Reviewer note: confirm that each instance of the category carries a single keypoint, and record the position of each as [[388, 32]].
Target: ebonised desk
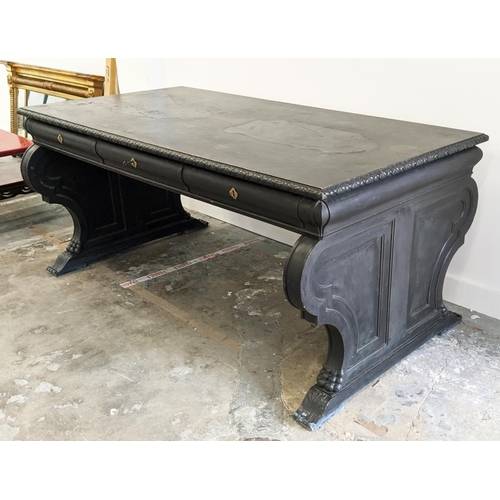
[[381, 205]]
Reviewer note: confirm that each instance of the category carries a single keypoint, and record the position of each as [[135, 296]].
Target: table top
[[12, 144], [311, 151]]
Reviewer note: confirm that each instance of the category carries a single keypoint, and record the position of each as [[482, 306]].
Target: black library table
[[381, 205]]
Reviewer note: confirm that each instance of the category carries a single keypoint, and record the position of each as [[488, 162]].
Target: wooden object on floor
[[111, 77]]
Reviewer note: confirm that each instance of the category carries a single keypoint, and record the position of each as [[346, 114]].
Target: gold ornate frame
[[48, 81]]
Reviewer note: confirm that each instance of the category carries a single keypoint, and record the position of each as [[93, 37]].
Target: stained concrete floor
[[208, 352]]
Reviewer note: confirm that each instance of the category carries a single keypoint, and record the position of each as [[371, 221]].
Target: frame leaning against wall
[[48, 82], [41, 84]]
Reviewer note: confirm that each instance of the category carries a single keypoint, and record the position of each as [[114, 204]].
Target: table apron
[[290, 211]]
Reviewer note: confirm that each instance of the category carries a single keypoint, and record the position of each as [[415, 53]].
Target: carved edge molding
[[284, 185], [403, 166]]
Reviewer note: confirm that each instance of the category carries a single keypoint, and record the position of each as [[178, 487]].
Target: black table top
[[311, 151]]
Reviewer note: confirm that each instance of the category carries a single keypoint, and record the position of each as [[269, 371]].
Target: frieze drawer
[[137, 163], [63, 140], [290, 210]]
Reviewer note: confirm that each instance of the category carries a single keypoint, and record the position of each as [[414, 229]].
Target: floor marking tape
[[192, 262], [19, 200]]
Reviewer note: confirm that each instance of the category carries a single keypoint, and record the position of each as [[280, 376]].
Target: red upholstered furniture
[[11, 181], [12, 144]]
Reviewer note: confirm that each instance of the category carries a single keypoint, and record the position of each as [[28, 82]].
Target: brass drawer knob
[[233, 193], [130, 163], [60, 138]]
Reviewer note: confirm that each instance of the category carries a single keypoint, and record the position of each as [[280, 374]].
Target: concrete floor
[[209, 352]]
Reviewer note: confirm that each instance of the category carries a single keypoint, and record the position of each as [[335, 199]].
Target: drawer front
[[63, 140], [271, 205], [137, 163], [262, 202]]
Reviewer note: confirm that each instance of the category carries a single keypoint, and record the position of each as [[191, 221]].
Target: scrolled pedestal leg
[[110, 212], [322, 400], [376, 285]]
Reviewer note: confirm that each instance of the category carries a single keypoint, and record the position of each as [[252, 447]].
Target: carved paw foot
[[74, 247], [330, 380]]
